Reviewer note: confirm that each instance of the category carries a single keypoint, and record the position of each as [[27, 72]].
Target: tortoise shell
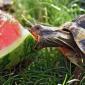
[[77, 28]]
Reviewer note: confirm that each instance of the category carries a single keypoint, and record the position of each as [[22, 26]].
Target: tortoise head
[[51, 36]]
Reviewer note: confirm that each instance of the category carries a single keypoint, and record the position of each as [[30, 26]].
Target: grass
[[49, 67]]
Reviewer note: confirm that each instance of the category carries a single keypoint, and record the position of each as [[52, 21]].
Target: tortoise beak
[[51, 36]]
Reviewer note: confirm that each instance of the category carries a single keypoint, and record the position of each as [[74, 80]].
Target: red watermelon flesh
[[9, 32]]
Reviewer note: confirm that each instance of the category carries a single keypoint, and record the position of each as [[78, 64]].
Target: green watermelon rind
[[18, 51]]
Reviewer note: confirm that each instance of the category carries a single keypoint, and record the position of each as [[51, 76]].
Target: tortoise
[[69, 38]]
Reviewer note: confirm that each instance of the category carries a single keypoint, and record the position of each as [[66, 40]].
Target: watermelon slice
[[15, 41]]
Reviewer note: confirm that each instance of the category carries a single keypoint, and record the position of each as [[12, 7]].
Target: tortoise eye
[[66, 30], [37, 27]]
